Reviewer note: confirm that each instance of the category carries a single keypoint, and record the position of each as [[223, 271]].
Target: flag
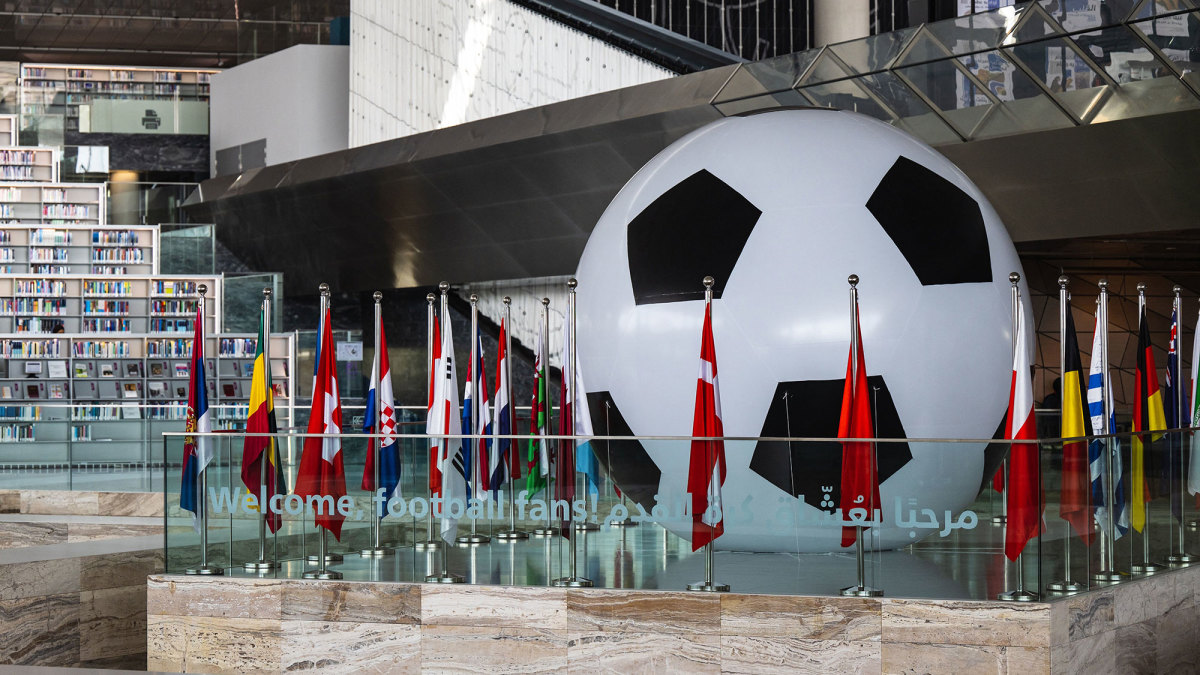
[[322, 473], [581, 418], [1147, 416], [499, 460], [1075, 466], [259, 449], [197, 450], [1024, 479], [1098, 454], [433, 418], [538, 454], [706, 468], [1194, 469], [389, 453], [1171, 407], [476, 419], [564, 465], [453, 481], [860, 471]]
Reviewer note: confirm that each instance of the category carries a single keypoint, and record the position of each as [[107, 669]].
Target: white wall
[[418, 65], [296, 99]]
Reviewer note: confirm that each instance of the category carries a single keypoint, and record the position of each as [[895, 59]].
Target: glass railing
[[938, 530], [1030, 67]]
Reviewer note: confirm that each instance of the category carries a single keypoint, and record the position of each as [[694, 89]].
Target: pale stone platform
[[270, 625], [81, 503]]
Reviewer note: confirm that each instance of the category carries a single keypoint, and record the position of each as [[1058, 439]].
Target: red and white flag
[[322, 473], [706, 470], [1024, 486], [860, 470], [433, 416]]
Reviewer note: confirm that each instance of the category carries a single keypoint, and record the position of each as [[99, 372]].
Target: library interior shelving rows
[[78, 249]]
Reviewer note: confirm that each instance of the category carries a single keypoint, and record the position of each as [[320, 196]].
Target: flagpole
[[708, 585], [1066, 584], [377, 550], [1108, 572], [513, 533], [574, 580], [580, 482], [445, 577], [1020, 594], [431, 543], [1145, 568], [475, 413], [202, 477], [1182, 558], [323, 556], [262, 564], [544, 373]]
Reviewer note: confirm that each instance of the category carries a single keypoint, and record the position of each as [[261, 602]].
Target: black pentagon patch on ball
[[811, 409], [695, 229], [632, 469], [935, 225]]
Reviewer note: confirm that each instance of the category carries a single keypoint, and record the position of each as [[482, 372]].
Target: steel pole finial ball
[[852, 279], [1014, 278], [1063, 281], [443, 286], [377, 297], [572, 283], [506, 300], [430, 297], [323, 289], [781, 206], [1103, 284], [202, 289], [266, 292], [1141, 288], [545, 302], [708, 282], [1177, 289], [474, 298]]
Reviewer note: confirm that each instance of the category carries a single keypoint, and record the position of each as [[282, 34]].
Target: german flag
[[1148, 416], [1076, 478], [258, 449]]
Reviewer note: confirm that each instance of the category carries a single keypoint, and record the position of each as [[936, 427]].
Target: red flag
[[860, 472], [564, 476], [706, 470], [1024, 479], [322, 475], [432, 426]]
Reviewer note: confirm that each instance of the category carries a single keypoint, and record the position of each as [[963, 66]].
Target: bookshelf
[[8, 130], [28, 164], [66, 204], [79, 249]]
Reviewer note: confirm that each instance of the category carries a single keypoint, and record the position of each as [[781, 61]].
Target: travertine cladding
[[256, 625], [81, 503]]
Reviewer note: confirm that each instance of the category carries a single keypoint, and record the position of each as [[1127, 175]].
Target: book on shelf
[[131, 390], [33, 391], [8, 391], [229, 389], [108, 370], [56, 390], [181, 392], [181, 370], [156, 389], [279, 389], [248, 369], [131, 411], [57, 369], [133, 369], [157, 368], [83, 369]]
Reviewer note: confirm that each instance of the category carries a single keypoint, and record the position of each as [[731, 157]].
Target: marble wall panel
[[166, 643], [226, 645], [10, 501], [489, 649], [1093, 654], [114, 570], [1177, 640], [622, 652], [180, 595], [92, 531], [146, 504], [351, 647], [25, 638], [352, 602], [60, 502], [812, 618], [966, 622], [1137, 648], [112, 622], [658, 612], [542, 608], [59, 645], [17, 535], [42, 577], [745, 654], [1094, 613]]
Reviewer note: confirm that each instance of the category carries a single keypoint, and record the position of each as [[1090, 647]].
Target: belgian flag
[[1076, 478], [1148, 416], [259, 449]]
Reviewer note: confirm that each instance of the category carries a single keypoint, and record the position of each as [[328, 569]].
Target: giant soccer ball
[[780, 207]]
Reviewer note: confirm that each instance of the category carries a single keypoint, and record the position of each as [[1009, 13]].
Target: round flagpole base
[[376, 552], [573, 582], [322, 574], [444, 579], [1065, 586], [628, 522], [1018, 596], [1109, 577], [260, 566], [1183, 559], [708, 587], [206, 570], [583, 526], [472, 539], [512, 535], [999, 520], [862, 592], [1146, 569], [545, 532], [329, 558], [430, 545]]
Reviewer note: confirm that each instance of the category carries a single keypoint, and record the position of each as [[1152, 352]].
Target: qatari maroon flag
[[706, 471]]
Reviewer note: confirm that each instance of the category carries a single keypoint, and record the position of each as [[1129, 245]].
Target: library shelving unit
[[8, 130], [77, 204], [103, 305], [57, 89], [28, 164], [79, 249]]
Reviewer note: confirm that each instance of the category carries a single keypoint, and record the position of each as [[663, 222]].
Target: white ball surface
[[943, 349]]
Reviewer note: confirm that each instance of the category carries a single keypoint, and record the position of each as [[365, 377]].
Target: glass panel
[[787, 98], [1073, 82], [1162, 8], [915, 116], [771, 75], [1035, 27], [1147, 84], [846, 95], [1176, 38], [924, 48], [974, 32], [1025, 107], [826, 69], [873, 53], [1079, 15], [951, 91]]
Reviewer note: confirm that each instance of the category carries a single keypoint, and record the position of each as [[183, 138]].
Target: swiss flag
[[321, 471], [860, 471], [1024, 484], [706, 470]]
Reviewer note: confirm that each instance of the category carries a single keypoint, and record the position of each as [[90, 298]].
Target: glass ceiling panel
[[1073, 82], [925, 47], [771, 75], [1152, 8], [846, 95], [974, 32], [874, 53], [1078, 15], [1034, 27], [1148, 85], [951, 91], [914, 116], [825, 69], [1024, 106], [1176, 38]]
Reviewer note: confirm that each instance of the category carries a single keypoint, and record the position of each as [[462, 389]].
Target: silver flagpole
[[476, 398], [445, 577], [1145, 568], [1020, 594], [431, 542], [544, 356], [1108, 573], [708, 585], [202, 477], [323, 556], [512, 534], [861, 590], [1182, 558], [262, 564], [377, 550], [574, 580], [1066, 584]]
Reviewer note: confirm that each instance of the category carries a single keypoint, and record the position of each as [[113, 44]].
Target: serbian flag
[[860, 471], [322, 473], [1148, 416], [538, 454], [500, 460], [197, 450], [1024, 479], [1075, 465], [389, 452], [259, 449], [450, 464], [433, 423], [706, 470]]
